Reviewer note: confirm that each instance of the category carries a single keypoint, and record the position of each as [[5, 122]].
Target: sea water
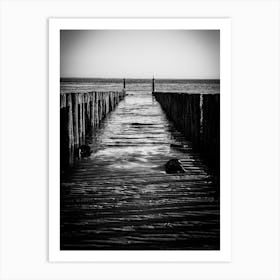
[[173, 85]]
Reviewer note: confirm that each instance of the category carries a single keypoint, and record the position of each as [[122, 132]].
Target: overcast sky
[[182, 54]]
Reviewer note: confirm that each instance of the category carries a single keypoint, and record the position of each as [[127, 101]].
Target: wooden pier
[[121, 197]]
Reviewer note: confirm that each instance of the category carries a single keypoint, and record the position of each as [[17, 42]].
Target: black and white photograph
[[139, 139]]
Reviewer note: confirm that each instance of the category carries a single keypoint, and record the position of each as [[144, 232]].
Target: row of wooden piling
[[79, 114], [197, 116]]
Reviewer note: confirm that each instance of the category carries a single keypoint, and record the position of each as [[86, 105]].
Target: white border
[[55, 255]]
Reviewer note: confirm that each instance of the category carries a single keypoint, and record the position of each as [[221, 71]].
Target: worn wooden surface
[[121, 198]]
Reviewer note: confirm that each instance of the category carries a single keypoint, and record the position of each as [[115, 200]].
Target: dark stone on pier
[[174, 166], [84, 151]]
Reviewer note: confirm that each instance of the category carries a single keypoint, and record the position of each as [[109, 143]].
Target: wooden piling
[[198, 118], [210, 132], [80, 113]]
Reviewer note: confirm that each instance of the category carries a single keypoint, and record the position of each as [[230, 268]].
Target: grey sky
[[182, 54]]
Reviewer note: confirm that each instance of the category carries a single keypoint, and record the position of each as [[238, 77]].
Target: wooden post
[[79, 113], [70, 136], [124, 84], [75, 102], [198, 118], [153, 85]]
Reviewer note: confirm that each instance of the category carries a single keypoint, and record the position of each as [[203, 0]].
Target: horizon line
[[129, 78]]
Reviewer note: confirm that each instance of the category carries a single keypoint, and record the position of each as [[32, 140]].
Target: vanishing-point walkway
[[121, 197]]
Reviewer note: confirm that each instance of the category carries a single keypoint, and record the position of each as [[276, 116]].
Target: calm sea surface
[[191, 86]]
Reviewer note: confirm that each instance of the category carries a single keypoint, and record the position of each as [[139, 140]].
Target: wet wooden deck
[[121, 198]]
